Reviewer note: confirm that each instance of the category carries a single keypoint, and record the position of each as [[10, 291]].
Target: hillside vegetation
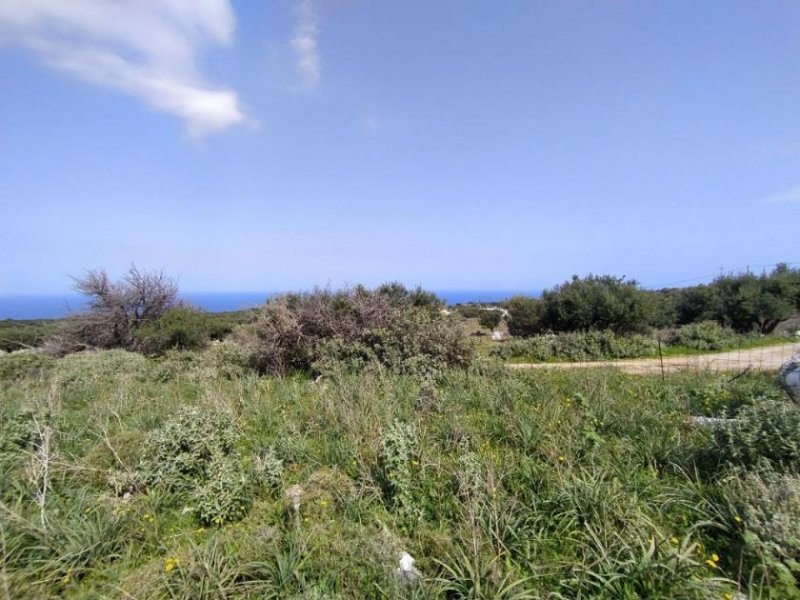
[[317, 447], [191, 476]]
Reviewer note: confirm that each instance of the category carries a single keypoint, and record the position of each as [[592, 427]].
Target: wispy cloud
[[304, 44], [144, 48], [791, 196]]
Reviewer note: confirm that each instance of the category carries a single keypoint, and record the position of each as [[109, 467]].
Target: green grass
[[587, 484]]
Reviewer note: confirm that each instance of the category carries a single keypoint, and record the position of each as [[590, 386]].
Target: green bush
[[760, 302], [181, 328], [583, 346], [399, 448], [17, 431], [525, 316], [226, 493], [764, 431], [194, 453], [597, 302], [490, 318], [725, 398], [704, 336]]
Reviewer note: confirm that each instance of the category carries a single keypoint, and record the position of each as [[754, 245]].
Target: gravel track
[[766, 359]]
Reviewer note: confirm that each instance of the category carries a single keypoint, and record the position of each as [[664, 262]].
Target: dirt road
[[768, 358]]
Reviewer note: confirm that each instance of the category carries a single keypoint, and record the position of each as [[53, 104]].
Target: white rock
[[709, 421], [407, 572]]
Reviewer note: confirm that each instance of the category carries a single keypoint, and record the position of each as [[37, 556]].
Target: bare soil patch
[[765, 359]]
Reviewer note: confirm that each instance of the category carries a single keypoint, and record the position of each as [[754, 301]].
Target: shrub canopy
[[592, 303], [314, 331]]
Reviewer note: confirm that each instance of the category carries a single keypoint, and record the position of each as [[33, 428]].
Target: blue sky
[[453, 144]]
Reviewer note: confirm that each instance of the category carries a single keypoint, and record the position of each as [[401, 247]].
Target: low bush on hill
[[180, 327], [704, 336], [17, 335], [586, 346], [322, 330]]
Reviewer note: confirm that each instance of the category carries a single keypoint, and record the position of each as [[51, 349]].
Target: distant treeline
[[142, 313], [744, 302]]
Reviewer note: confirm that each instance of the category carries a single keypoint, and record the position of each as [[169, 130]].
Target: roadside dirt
[[769, 358]]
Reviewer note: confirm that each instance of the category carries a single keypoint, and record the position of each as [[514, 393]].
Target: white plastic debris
[[789, 377], [709, 421], [407, 572]]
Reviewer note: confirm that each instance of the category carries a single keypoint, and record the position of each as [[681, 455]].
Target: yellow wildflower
[[674, 540], [561, 459], [170, 564], [737, 518]]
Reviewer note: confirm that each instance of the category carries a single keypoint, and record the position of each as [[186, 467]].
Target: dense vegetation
[[593, 345], [19, 334], [744, 302], [404, 331], [299, 450], [190, 476]]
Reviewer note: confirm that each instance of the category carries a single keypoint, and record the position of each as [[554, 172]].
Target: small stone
[[407, 572]]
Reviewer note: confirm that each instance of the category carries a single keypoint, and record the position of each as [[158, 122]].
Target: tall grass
[[517, 485]]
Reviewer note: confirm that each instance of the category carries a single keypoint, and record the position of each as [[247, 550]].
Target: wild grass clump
[[324, 331], [704, 336]]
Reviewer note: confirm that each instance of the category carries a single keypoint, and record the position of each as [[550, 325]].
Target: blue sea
[[54, 306]]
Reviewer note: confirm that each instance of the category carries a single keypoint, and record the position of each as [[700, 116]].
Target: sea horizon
[[56, 306]]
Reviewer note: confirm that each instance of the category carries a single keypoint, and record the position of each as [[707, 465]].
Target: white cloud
[[145, 48], [791, 196], [304, 44]]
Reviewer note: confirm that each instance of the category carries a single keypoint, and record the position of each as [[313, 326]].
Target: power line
[[722, 271]]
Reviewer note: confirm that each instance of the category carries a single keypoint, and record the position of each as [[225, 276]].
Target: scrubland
[[194, 476]]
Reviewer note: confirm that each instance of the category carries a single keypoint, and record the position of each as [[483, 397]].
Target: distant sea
[[54, 306]]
